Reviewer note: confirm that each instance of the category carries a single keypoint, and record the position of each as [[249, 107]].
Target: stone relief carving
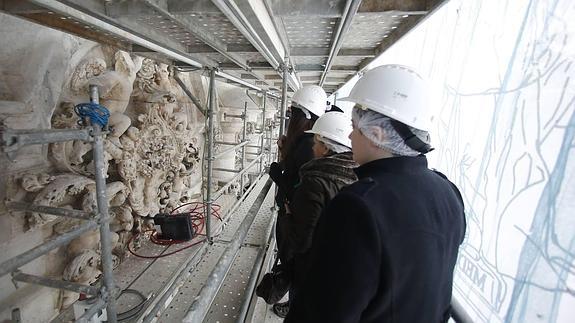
[[162, 157], [35, 182], [85, 71], [62, 191], [152, 152], [84, 269], [152, 83], [115, 89]]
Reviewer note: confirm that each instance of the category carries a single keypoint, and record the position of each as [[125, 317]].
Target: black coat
[[320, 180], [386, 248], [286, 177], [286, 174]]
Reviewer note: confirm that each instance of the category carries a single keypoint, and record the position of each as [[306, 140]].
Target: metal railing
[[199, 307], [458, 313]]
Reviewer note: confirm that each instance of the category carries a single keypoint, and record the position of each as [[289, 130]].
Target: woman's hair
[[297, 125]]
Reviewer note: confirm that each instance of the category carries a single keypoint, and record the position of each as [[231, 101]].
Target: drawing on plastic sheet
[[517, 263]]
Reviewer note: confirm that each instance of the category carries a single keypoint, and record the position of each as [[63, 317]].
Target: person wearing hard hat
[[320, 180], [386, 248], [308, 104]]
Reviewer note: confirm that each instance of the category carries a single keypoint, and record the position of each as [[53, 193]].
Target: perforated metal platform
[[234, 290], [152, 277], [176, 309]]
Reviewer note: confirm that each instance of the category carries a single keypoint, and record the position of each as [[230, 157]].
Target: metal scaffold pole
[[270, 141], [108, 288], [274, 137], [263, 136], [210, 158], [285, 71], [10, 142], [244, 134]]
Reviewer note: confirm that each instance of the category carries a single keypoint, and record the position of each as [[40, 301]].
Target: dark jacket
[[286, 173], [386, 248], [286, 177], [320, 180]]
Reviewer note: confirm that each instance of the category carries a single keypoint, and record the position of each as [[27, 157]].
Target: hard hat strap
[[410, 139]]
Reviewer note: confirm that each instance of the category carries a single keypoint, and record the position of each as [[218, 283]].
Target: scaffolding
[[105, 294], [113, 23]]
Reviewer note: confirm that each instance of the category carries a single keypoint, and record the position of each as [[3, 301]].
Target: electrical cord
[[197, 216], [98, 114], [134, 310]]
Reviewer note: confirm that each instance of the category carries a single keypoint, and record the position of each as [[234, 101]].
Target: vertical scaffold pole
[[285, 71], [102, 201], [263, 134], [209, 159], [244, 134]]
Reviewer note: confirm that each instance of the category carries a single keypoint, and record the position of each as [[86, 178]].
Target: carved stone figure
[[83, 269], [153, 84], [69, 156], [63, 190], [116, 193], [35, 182], [160, 150], [122, 219], [85, 71], [115, 88]]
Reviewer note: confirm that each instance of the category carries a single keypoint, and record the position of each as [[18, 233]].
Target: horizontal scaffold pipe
[[70, 213], [53, 283], [113, 28], [227, 170], [225, 187], [14, 263], [199, 307], [13, 139], [227, 150]]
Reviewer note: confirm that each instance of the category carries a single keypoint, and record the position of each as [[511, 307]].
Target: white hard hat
[[395, 91], [335, 126], [312, 98]]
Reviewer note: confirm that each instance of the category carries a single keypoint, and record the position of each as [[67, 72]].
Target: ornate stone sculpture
[[85, 71], [115, 88], [64, 190], [151, 159], [163, 153], [83, 269]]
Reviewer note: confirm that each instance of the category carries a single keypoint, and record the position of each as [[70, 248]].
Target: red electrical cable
[[161, 255], [198, 223]]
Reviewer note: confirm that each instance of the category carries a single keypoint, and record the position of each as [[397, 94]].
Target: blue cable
[[98, 114]]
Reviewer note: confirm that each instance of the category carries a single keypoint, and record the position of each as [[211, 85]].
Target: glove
[[275, 172]]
